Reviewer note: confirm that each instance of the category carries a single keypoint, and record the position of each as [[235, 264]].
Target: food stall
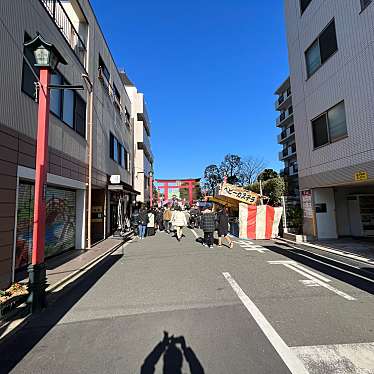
[[249, 218]]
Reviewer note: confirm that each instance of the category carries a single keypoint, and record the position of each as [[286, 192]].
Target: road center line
[[286, 354]]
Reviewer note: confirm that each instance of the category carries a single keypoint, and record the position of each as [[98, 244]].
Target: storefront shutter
[[60, 222]]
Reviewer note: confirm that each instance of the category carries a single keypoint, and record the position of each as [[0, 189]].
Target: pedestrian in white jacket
[[178, 219]]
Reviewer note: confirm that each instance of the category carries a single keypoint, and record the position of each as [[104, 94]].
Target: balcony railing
[[283, 98], [287, 152], [58, 13], [283, 118]]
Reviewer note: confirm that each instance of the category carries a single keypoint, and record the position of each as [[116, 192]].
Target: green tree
[[267, 174], [231, 168], [212, 177], [272, 188]]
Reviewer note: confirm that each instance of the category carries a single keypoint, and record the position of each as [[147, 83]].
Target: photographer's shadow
[[173, 357]]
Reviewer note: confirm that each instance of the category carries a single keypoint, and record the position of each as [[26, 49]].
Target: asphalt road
[[253, 309]]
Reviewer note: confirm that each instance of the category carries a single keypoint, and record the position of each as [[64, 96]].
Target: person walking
[[143, 222], [178, 220], [167, 217], [208, 225], [223, 227], [151, 223], [160, 219]]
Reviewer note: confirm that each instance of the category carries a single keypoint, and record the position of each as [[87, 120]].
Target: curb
[[17, 324], [331, 250], [334, 263]]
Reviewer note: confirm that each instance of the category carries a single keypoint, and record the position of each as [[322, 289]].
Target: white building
[[143, 157], [331, 54]]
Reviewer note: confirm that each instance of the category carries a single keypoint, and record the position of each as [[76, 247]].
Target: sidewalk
[[358, 249], [61, 270], [67, 264]]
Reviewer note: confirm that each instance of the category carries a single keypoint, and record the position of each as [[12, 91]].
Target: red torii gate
[[185, 183]]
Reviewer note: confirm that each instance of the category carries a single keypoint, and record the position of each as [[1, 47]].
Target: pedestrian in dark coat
[[223, 227], [143, 222], [208, 225]]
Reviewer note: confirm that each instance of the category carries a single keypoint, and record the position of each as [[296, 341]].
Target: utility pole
[[89, 86]]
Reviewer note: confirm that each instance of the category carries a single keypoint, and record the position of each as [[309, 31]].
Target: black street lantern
[[46, 54]]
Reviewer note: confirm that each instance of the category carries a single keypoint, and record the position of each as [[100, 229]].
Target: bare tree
[[250, 169]]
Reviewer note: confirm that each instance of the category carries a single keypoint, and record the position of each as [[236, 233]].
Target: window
[[320, 134], [337, 122], [115, 148], [118, 152], [56, 95], [125, 163], [304, 4], [80, 115], [68, 107], [364, 4], [104, 72], [116, 93], [28, 78], [330, 126], [321, 49], [111, 146]]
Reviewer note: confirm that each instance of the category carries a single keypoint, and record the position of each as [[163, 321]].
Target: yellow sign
[[361, 176], [238, 194]]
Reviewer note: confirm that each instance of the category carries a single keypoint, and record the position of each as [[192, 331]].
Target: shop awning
[[123, 187]]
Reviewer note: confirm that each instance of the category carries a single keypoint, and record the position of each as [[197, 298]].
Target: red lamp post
[[47, 58], [151, 189]]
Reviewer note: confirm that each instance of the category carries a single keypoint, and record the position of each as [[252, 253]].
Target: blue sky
[[208, 69]]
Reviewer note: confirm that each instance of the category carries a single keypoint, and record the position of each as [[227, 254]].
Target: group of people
[[169, 218]]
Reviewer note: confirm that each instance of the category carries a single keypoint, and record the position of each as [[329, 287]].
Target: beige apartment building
[[331, 54], [286, 138], [72, 27], [143, 156]]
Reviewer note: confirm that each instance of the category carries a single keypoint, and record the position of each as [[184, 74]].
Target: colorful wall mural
[[60, 222]]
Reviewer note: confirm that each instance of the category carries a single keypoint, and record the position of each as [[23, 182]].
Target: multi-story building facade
[[72, 27], [286, 138], [331, 48], [143, 156]]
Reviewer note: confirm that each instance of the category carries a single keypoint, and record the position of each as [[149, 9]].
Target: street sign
[[115, 179], [361, 176]]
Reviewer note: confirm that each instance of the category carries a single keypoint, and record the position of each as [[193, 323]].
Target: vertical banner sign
[[306, 201]]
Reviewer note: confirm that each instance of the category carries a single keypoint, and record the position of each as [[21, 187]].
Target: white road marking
[[314, 274], [195, 234], [256, 249], [250, 246], [339, 358], [286, 354], [316, 278]]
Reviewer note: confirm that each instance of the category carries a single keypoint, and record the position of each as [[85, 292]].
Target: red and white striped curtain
[[259, 222]]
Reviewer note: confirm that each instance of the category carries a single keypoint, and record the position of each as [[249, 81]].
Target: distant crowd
[[173, 218]]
